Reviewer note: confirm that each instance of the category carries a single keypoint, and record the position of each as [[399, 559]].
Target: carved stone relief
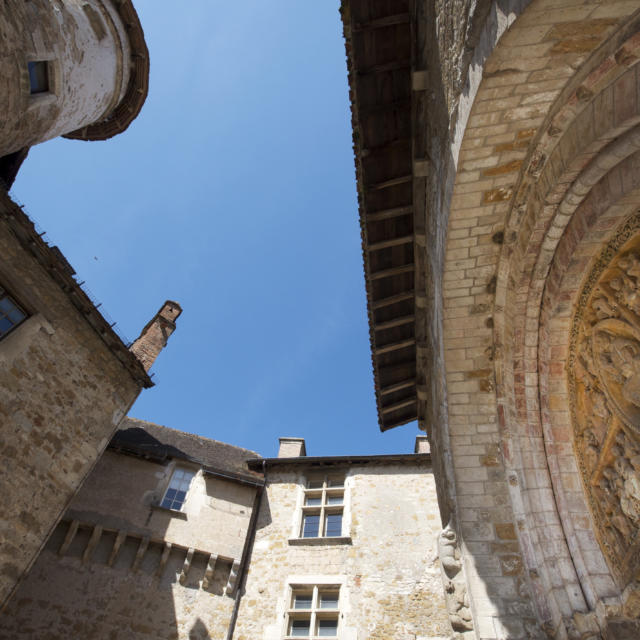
[[455, 586], [604, 377]]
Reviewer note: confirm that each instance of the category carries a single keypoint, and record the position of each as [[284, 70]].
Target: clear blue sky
[[233, 193]]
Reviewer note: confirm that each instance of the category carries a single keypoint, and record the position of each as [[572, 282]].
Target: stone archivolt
[[604, 376]]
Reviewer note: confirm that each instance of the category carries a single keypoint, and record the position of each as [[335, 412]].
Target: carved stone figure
[[605, 383], [454, 583]]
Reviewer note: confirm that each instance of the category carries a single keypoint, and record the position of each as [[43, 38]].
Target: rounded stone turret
[[78, 68]]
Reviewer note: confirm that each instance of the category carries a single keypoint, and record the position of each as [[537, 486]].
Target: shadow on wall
[[199, 631]]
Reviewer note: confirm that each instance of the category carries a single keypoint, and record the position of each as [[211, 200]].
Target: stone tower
[[78, 69]]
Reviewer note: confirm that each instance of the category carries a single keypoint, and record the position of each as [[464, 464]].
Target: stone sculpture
[[454, 583]]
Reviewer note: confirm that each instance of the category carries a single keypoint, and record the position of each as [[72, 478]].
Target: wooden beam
[[394, 346], [399, 405], [398, 386], [393, 242], [387, 21], [385, 214], [392, 271], [398, 297], [396, 322], [387, 66], [390, 183], [385, 424]]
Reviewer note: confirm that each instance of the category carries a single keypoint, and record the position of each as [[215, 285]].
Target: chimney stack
[[292, 448], [422, 445], [153, 338]]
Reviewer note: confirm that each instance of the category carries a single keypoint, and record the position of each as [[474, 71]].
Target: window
[[177, 490], [38, 77], [323, 507], [313, 611], [11, 314]]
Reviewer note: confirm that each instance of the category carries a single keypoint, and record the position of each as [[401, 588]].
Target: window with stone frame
[[314, 611], [323, 507], [38, 76], [176, 493], [11, 314]]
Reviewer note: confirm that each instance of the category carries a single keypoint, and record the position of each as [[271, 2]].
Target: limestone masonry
[[497, 156]]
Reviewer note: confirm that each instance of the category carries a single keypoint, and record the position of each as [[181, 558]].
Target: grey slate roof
[[160, 443]]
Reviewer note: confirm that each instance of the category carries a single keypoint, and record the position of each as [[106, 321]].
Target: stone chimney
[[422, 445], [153, 338], [292, 448]]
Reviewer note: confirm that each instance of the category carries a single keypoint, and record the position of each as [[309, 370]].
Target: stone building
[[150, 547], [66, 381], [66, 377], [498, 166], [344, 547], [497, 159], [177, 536], [79, 69]]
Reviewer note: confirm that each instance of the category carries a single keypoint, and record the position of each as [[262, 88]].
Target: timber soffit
[[378, 41]]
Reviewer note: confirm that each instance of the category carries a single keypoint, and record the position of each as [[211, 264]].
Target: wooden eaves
[[378, 39]]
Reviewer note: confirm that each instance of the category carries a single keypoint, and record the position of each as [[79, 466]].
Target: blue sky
[[233, 193]]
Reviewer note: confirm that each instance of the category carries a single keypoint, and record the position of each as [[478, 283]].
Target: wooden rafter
[[398, 297], [386, 21], [392, 242], [394, 346]]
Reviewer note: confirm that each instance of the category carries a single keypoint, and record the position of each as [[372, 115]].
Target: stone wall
[[544, 149], [63, 392], [391, 588], [86, 47], [120, 566]]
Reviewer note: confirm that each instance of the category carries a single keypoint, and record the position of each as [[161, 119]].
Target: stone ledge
[[172, 512], [321, 541]]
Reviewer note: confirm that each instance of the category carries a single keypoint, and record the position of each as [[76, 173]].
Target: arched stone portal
[[541, 435]]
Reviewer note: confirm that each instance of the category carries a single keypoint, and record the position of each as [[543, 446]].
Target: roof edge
[[57, 268], [422, 458]]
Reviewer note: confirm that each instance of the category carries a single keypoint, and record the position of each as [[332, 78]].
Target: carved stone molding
[[604, 382]]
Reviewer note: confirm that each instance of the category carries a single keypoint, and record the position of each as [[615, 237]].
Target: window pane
[[328, 627], [313, 501], [310, 526], [299, 628], [38, 77], [314, 484], [166, 503], [329, 600], [336, 481], [334, 499], [302, 601], [333, 525], [10, 314], [16, 316]]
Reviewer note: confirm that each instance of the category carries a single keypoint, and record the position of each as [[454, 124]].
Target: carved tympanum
[[605, 380]]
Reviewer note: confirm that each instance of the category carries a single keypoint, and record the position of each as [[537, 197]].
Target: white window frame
[[323, 508], [178, 469], [315, 613]]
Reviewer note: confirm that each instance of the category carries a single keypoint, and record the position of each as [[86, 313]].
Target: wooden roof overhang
[[378, 39]]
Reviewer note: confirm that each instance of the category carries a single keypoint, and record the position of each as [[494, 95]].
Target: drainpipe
[[246, 552]]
